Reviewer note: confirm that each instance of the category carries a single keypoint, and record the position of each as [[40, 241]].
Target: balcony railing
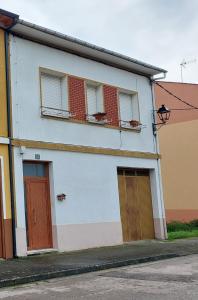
[[54, 112]]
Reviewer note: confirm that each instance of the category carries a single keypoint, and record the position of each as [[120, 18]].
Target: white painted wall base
[[21, 242], [160, 228], [84, 236]]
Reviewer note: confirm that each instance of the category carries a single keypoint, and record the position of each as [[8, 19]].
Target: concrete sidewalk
[[40, 267]]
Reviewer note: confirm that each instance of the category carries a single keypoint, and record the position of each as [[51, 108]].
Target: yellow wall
[[3, 105], [4, 154], [3, 124], [179, 149]]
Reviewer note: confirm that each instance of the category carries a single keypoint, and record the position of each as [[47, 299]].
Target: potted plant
[[99, 116], [134, 123]]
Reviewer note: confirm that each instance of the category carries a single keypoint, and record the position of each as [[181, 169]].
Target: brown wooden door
[[1, 215], [38, 212], [145, 207], [135, 206]]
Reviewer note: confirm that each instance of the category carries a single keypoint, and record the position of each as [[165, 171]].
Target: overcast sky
[[160, 32]]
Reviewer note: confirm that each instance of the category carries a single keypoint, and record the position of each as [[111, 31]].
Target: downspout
[[156, 143], [10, 150]]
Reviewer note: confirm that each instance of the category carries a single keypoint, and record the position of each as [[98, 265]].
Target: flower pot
[[99, 116], [134, 123]]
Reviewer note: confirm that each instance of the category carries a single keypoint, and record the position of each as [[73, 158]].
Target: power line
[[182, 108], [183, 101]]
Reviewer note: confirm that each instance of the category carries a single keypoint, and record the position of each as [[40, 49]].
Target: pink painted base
[[183, 215]]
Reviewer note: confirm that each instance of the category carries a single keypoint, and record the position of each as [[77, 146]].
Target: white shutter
[[91, 99], [99, 104], [51, 91], [126, 112], [94, 99]]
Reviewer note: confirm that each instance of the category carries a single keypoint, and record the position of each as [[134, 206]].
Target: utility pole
[[183, 65]]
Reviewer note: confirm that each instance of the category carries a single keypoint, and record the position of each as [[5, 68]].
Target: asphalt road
[[176, 278]]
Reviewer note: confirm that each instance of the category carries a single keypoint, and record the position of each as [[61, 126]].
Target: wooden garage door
[[135, 204], [1, 215], [38, 208]]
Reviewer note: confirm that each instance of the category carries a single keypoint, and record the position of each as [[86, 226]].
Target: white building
[[81, 179]]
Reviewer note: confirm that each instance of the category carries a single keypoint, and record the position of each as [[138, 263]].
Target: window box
[[100, 116], [134, 123]]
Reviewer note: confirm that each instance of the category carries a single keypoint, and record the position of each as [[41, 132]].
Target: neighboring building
[[85, 176], [5, 205], [179, 148]]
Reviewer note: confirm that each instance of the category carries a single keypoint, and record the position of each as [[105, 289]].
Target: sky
[[160, 32]]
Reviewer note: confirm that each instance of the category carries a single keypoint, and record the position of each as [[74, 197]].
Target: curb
[[81, 270]]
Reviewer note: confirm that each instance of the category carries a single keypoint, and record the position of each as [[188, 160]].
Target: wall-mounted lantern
[[164, 114], [61, 197]]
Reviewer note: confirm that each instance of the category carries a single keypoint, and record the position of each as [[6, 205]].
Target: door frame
[[1, 208], [47, 177]]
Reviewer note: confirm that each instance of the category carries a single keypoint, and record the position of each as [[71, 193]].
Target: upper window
[[54, 95], [95, 103], [129, 109]]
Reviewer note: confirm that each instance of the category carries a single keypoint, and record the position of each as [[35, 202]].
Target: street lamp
[[164, 114]]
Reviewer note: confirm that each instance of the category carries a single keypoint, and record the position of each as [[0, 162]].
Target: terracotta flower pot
[[99, 116], [134, 123]]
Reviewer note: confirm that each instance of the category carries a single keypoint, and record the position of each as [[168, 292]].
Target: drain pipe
[[10, 145], [156, 143]]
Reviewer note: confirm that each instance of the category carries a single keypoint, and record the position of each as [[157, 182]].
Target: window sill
[[131, 128], [90, 123], [94, 121], [55, 113], [55, 117]]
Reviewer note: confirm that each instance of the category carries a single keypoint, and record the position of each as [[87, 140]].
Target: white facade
[[90, 215], [26, 59]]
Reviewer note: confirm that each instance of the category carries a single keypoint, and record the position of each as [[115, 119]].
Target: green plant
[[178, 226], [194, 223], [175, 226], [182, 234]]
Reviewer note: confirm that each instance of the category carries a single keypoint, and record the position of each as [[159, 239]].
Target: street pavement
[[54, 265], [175, 278]]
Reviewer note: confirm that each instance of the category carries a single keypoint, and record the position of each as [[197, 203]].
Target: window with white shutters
[[126, 109], [94, 99], [95, 103], [129, 108], [54, 95]]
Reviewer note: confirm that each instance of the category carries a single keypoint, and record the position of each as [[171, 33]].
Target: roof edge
[[176, 82], [89, 45]]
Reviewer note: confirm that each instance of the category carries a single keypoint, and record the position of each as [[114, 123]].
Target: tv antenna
[[183, 65]]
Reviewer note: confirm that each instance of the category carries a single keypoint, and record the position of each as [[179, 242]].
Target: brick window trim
[[77, 98], [111, 107], [77, 103]]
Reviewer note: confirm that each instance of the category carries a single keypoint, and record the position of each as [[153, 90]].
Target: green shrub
[[182, 226], [182, 234], [194, 223], [178, 226]]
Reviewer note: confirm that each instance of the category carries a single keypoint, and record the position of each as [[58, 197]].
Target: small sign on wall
[[37, 156], [61, 197]]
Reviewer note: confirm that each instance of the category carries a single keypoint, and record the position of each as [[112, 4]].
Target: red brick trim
[[77, 106], [111, 104]]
